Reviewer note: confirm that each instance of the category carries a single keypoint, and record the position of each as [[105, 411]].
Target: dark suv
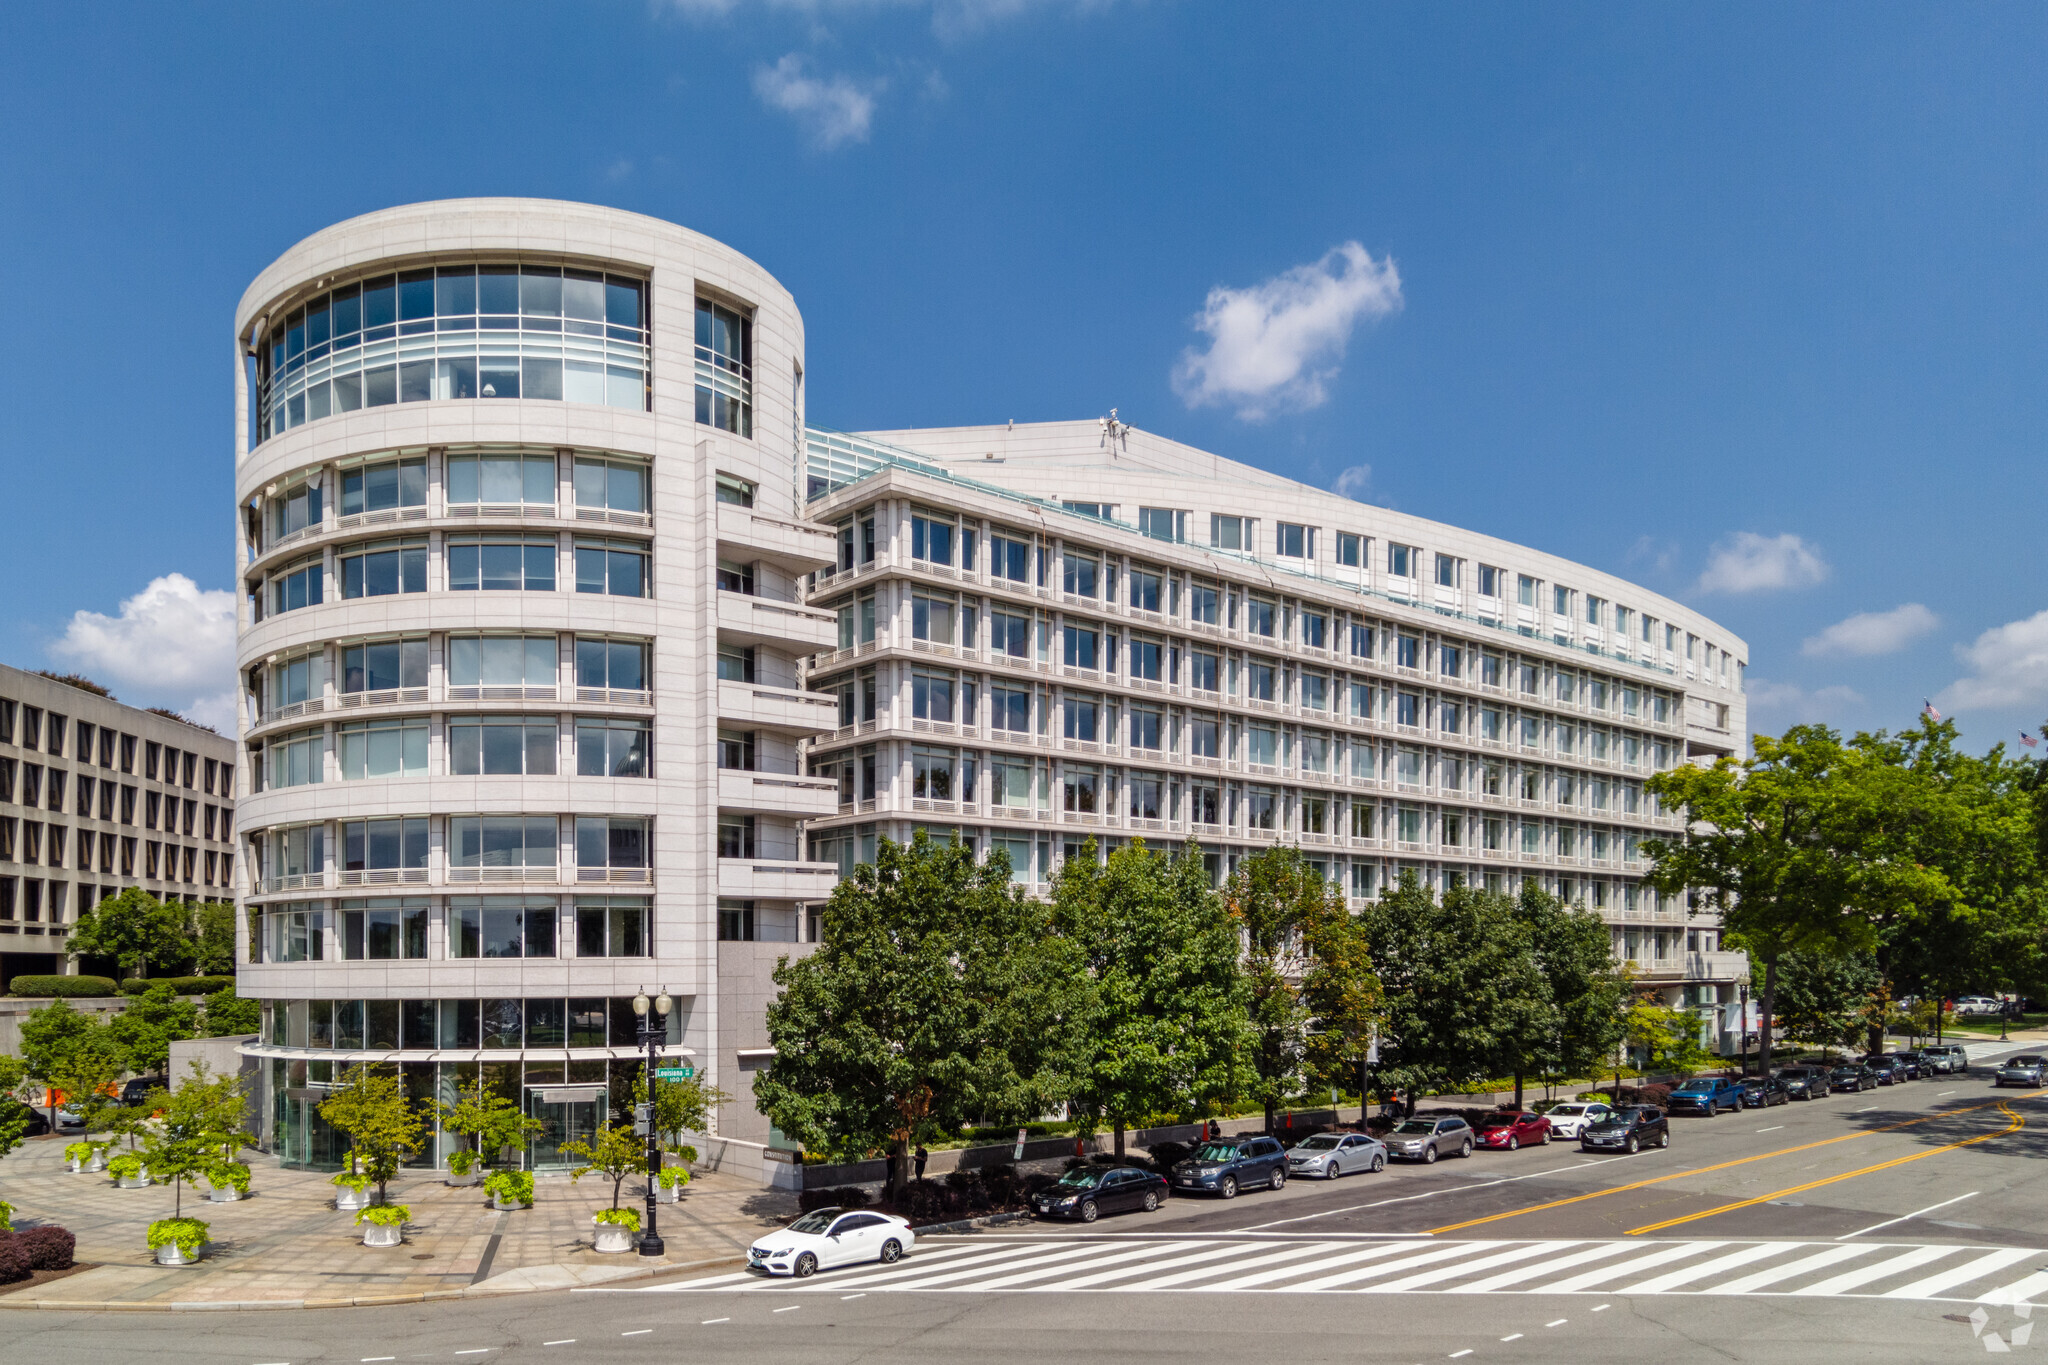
[[1223, 1166], [1805, 1082], [1629, 1129]]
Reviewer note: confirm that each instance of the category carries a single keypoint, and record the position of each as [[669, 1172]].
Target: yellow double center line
[[1762, 1156]]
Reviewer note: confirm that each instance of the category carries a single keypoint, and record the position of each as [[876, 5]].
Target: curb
[[990, 1220], [9, 1302]]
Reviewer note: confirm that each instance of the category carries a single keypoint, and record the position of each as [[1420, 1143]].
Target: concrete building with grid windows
[[96, 797], [1066, 631]]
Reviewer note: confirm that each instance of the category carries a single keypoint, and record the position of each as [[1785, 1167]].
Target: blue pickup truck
[[1707, 1095]]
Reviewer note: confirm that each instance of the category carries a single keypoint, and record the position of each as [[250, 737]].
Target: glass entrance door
[[565, 1120]]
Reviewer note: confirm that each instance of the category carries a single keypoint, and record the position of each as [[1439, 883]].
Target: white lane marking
[[1865, 1109], [1906, 1216], [1431, 1194], [1293, 1253], [1458, 1354], [843, 1297], [1512, 1336], [960, 1271], [1090, 1265], [1211, 1253], [368, 1359], [1772, 1129], [1673, 1278], [476, 1351], [2019, 1291], [565, 1341], [1557, 1322], [1867, 1274], [1615, 1272], [1818, 1261], [1528, 1272], [706, 1323], [645, 1330], [1603, 1308], [791, 1309], [1939, 1093], [1975, 1268], [1252, 1281], [1399, 1263], [1441, 1273]]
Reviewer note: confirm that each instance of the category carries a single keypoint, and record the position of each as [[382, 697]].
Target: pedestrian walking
[[921, 1158]]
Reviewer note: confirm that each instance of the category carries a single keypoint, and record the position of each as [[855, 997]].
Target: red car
[[1511, 1129]]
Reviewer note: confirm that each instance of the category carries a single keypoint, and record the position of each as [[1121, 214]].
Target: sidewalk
[[287, 1247]]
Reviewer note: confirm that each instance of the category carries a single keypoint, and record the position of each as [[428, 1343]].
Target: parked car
[[1854, 1076], [1569, 1120], [1974, 1006], [1891, 1069], [1914, 1063], [1761, 1092], [1958, 1056], [1223, 1166], [1327, 1156], [824, 1238], [1512, 1129], [1630, 1129], [1090, 1191], [1707, 1095], [35, 1122], [1427, 1139], [2025, 1069], [138, 1087], [1937, 1061], [1805, 1082]]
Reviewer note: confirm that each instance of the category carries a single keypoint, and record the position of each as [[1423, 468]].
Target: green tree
[[616, 1154], [136, 930], [1666, 1038], [198, 1123], [1166, 1012], [225, 1014], [13, 1117], [150, 1024], [89, 1074], [1822, 998], [680, 1107], [384, 1127], [490, 1120], [1586, 988], [1340, 990], [213, 938], [937, 996], [47, 1037]]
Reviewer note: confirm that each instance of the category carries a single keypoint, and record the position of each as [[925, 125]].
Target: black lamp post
[[1742, 1028], [653, 1032]]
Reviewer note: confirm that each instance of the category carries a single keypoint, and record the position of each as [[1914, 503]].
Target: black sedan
[[1853, 1076], [1805, 1082], [1631, 1128], [1761, 1093], [1087, 1192], [1891, 1068]]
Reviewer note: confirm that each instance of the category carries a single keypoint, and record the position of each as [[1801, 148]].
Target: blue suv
[[1707, 1095]]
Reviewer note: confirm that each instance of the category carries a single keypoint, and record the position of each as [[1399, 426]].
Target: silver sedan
[[1329, 1155], [1428, 1139]]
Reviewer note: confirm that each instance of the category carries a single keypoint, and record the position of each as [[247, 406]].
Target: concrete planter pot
[[132, 1182], [348, 1200], [168, 1254], [379, 1235], [670, 1194], [224, 1194], [475, 1177], [97, 1162], [504, 1205], [612, 1237]]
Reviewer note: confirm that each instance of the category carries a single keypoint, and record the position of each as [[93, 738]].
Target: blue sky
[[1742, 301]]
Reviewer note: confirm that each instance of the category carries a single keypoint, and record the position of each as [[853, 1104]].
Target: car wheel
[[1632, 1146], [1664, 1138], [1465, 1148], [1151, 1201], [1714, 1109], [806, 1266], [1429, 1155], [1514, 1143], [1089, 1213], [892, 1251], [1228, 1189], [1279, 1177], [1543, 1138], [1379, 1163]]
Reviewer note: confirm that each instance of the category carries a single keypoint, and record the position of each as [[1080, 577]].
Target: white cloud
[[832, 110], [173, 643], [2008, 666], [1791, 704], [1659, 555], [1872, 632], [1748, 562], [1354, 483], [1278, 342]]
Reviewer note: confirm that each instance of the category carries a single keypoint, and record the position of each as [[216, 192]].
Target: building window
[[501, 926], [299, 586], [383, 930], [501, 565], [1294, 542], [500, 667], [1228, 533], [384, 569], [1145, 586], [515, 483], [725, 368], [388, 845], [1163, 523], [295, 511], [931, 695], [1525, 590], [508, 746], [384, 666], [1400, 561], [1202, 602], [1350, 550], [1446, 571], [614, 926], [1262, 746], [332, 355], [736, 750], [1083, 717], [382, 748], [501, 847], [736, 491], [390, 486], [615, 490], [1561, 601], [1080, 574], [296, 759], [736, 921], [735, 836], [617, 568], [1148, 728], [736, 663], [611, 747], [1407, 708], [1205, 734], [1489, 581], [1450, 661], [295, 932], [1260, 614], [1407, 651], [1082, 787], [611, 849], [1202, 670], [605, 667], [1009, 557]]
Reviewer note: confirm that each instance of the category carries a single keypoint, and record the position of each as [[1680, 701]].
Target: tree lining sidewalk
[[285, 1247]]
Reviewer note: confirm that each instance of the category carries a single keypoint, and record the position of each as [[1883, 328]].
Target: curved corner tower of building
[[520, 551]]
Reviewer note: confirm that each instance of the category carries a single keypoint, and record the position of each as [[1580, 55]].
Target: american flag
[[2028, 739], [1927, 705]]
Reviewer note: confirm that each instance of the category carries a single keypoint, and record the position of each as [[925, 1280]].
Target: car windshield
[[1417, 1127], [1568, 1111], [1498, 1121], [1082, 1179], [2028, 1060], [1217, 1151], [1321, 1142], [815, 1221], [1694, 1088]]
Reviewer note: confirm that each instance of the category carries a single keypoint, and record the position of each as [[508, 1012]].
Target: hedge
[[182, 985], [63, 985], [48, 1247]]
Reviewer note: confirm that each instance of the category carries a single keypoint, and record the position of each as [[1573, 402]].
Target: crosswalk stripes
[[1234, 1264]]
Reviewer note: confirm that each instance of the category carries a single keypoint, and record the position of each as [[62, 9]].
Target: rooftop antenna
[[1113, 431]]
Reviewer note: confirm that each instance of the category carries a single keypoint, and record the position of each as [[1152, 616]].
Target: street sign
[[674, 1073]]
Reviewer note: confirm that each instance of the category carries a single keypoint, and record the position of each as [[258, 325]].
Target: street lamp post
[[653, 1032], [1742, 1029]]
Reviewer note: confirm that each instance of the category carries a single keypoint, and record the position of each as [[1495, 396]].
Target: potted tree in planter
[[85, 1155], [181, 1145], [510, 1189], [462, 1165], [351, 1187], [227, 1181], [616, 1154], [127, 1172], [383, 1225], [383, 1127], [491, 1122], [669, 1180], [177, 1241], [680, 1107]]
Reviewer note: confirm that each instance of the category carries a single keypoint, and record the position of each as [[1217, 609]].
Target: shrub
[[14, 1261], [81, 1150], [625, 1218], [189, 1234], [48, 1247], [384, 1215], [180, 985], [351, 1180], [125, 1166], [845, 1197], [224, 1175], [510, 1187], [459, 1162], [672, 1176], [72, 986]]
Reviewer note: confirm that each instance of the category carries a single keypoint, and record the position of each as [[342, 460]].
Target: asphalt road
[[1854, 1228]]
